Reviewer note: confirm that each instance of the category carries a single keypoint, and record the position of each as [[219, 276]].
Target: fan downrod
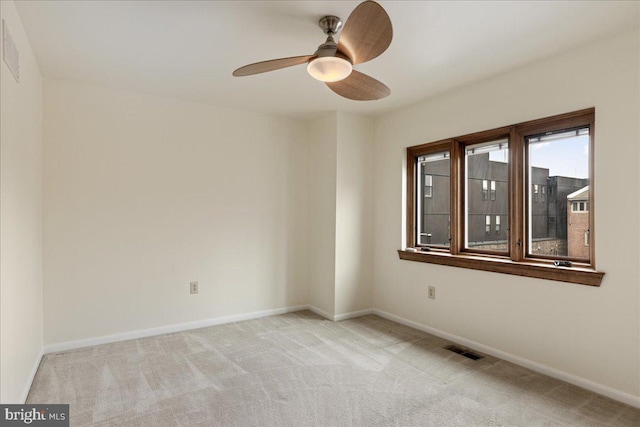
[[330, 24]]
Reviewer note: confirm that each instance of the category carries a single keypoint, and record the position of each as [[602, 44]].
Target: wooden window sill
[[539, 270]]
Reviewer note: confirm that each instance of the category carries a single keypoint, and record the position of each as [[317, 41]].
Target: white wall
[[20, 217], [323, 136], [144, 194], [340, 216], [591, 333], [354, 215]]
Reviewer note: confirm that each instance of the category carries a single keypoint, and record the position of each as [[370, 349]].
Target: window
[[428, 186], [434, 202], [546, 160], [479, 167], [580, 207], [561, 156]]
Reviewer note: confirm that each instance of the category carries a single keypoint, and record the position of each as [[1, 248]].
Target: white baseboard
[[339, 317], [32, 376], [142, 333], [179, 327], [320, 312], [352, 314], [604, 390]]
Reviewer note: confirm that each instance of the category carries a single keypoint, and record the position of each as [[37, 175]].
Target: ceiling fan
[[366, 34]]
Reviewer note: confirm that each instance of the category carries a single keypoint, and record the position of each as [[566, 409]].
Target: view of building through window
[[558, 194], [487, 196], [434, 199], [522, 193]]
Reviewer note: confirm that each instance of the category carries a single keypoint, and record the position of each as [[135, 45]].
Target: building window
[[556, 151], [428, 186], [580, 207]]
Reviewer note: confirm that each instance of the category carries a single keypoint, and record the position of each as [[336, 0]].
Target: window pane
[[433, 200], [558, 223], [486, 196]]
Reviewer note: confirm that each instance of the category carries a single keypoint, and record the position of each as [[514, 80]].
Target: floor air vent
[[463, 352]]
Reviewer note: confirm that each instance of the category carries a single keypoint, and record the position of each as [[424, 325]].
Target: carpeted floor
[[301, 370]]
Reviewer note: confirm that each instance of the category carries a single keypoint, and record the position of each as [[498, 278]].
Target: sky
[[564, 157]]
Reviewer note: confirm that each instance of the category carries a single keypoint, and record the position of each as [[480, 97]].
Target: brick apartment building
[[578, 223]]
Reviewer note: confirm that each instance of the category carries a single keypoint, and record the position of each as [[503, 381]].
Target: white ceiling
[[188, 49]]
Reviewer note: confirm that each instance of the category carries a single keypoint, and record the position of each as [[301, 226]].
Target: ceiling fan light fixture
[[365, 36], [329, 68]]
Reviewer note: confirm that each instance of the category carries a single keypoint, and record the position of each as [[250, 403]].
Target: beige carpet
[[301, 370]]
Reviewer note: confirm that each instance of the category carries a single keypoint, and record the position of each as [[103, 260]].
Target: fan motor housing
[[330, 24]]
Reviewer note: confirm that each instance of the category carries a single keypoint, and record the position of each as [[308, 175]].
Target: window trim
[[515, 260]]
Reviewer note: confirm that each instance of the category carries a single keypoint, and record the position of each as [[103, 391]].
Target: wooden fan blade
[[366, 34], [274, 64], [360, 87]]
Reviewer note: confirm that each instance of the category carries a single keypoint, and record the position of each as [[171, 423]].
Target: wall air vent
[[469, 354]]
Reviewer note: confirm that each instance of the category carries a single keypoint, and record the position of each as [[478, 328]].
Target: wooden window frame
[[515, 261]]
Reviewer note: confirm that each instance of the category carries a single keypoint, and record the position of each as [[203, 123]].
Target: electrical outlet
[[432, 292], [193, 286]]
